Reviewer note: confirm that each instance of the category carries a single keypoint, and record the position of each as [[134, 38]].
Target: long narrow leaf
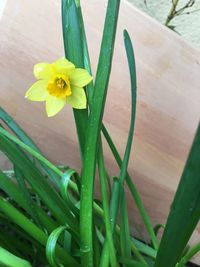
[[86, 58], [72, 37], [39, 183], [124, 233], [51, 246], [7, 259], [185, 211], [143, 248], [131, 263], [64, 184], [8, 120], [123, 171], [33, 230], [110, 249], [87, 65], [36, 155], [13, 191], [94, 126], [189, 255], [132, 189], [125, 238], [130, 56], [30, 205], [33, 152]]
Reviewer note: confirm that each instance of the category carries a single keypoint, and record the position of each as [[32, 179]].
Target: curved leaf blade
[[185, 211]]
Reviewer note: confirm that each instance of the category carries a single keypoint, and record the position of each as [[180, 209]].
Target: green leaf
[[113, 202], [132, 189], [72, 37], [157, 227], [30, 205], [125, 238], [131, 63], [13, 191], [105, 256], [36, 155], [123, 171], [39, 183], [86, 58], [185, 211], [72, 33], [120, 198], [30, 150], [6, 242], [189, 255], [7, 259], [35, 232], [8, 120], [75, 47], [90, 91], [109, 250], [131, 263], [64, 184], [25, 244], [145, 249], [94, 126], [51, 246]]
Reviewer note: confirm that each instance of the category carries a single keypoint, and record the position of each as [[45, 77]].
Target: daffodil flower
[[59, 83]]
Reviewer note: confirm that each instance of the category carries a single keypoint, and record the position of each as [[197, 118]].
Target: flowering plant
[[59, 83], [49, 215]]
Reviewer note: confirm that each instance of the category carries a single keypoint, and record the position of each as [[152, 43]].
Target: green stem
[[97, 209], [110, 252], [94, 127], [112, 146], [125, 240]]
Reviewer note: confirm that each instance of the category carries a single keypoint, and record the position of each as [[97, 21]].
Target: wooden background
[[168, 107]]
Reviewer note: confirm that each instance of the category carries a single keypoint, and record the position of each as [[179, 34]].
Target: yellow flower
[[59, 83]]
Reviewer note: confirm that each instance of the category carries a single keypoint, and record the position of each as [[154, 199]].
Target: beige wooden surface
[[168, 108]]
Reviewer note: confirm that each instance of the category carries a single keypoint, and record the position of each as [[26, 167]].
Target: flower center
[[59, 86]]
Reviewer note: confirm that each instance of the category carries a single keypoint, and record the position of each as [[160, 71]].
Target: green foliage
[[7, 259], [50, 217], [185, 211]]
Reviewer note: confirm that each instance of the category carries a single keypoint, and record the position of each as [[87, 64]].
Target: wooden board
[[168, 108]]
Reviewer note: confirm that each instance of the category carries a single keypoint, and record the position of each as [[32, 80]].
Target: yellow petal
[[80, 77], [38, 91], [62, 66], [78, 98], [54, 105], [43, 71]]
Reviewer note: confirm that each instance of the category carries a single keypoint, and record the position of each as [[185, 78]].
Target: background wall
[[186, 25]]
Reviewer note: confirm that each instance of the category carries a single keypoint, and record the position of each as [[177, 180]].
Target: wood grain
[[168, 104]]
